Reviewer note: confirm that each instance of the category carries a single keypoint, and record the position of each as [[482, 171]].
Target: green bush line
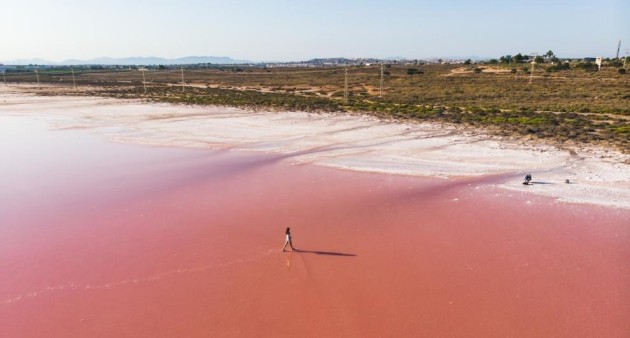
[[558, 126]]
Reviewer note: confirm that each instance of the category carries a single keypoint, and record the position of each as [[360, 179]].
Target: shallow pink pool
[[99, 239]]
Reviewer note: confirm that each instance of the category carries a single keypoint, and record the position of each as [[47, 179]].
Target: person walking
[[288, 240]]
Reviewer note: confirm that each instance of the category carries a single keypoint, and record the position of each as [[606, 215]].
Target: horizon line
[[20, 61]]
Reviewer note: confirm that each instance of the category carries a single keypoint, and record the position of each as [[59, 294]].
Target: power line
[[345, 85], [531, 72], [74, 81], [380, 92], [182, 68], [144, 81]]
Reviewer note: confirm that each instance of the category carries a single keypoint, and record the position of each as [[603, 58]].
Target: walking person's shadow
[[327, 253]]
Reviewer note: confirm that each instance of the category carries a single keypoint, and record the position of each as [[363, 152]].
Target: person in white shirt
[[288, 240]]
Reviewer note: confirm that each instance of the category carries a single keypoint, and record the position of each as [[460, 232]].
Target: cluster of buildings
[[336, 62]]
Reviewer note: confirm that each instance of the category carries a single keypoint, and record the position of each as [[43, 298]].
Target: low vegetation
[[566, 102]]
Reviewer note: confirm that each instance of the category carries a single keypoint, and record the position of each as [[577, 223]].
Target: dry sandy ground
[[597, 176], [469, 70]]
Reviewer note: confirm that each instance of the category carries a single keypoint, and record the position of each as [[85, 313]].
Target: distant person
[[528, 178], [288, 240]]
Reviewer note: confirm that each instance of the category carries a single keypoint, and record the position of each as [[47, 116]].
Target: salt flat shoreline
[[598, 176]]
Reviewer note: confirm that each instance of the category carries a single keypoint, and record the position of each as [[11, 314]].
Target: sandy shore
[[597, 176]]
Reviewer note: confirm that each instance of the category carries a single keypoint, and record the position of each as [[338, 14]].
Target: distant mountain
[[26, 62], [395, 58], [132, 61]]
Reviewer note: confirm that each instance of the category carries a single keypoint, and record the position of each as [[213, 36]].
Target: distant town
[[154, 63]]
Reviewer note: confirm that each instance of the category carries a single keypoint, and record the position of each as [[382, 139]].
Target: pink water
[[99, 239]]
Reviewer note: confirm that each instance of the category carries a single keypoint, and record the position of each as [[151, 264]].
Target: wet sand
[[102, 239]]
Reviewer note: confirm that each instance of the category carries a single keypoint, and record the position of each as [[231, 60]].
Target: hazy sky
[[297, 30]]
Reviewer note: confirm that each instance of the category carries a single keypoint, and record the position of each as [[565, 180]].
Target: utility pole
[[625, 58], [380, 92], [182, 79], [4, 75], [618, 46], [74, 81], [531, 72], [144, 81], [345, 86], [37, 75]]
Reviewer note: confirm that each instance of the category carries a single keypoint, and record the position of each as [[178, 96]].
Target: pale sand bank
[[597, 176]]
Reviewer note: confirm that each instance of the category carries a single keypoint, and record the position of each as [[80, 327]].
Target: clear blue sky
[[297, 30]]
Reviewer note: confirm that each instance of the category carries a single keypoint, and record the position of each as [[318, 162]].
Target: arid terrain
[[576, 105]]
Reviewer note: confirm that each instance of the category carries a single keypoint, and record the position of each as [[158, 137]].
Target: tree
[[539, 59], [518, 58], [549, 54], [467, 62]]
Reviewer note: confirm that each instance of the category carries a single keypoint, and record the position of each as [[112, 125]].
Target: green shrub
[[585, 65]]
